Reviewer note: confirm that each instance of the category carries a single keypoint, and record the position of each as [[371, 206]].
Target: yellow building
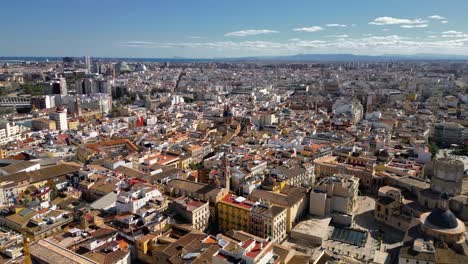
[[234, 213], [293, 199], [271, 184], [412, 97], [184, 162], [84, 154], [73, 124], [3, 153], [145, 246], [196, 153], [43, 124]]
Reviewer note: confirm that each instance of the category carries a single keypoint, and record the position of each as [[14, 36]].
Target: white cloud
[[250, 32], [454, 34], [337, 36], [437, 17], [414, 26], [385, 29], [294, 39], [367, 44], [335, 25], [380, 21], [310, 44], [308, 29], [137, 43], [442, 19], [194, 37]]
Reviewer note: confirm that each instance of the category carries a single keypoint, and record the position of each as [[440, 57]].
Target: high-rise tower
[[87, 61]]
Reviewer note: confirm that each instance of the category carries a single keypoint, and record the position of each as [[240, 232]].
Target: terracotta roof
[[41, 174], [48, 252], [131, 172], [293, 195], [270, 212], [99, 145], [193, 187], [107, 258]]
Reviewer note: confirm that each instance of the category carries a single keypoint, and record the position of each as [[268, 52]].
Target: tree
[[5, 91], [54, 191], [462, 151], [434, 149], [115, 112], [196, 166], [6, 110], [33, 89]]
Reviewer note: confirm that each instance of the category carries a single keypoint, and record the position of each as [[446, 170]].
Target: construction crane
[[26, 249]]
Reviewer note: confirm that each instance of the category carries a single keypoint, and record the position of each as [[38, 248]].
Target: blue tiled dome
[[443, 219]]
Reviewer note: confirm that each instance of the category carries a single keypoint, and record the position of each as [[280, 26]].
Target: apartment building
[[9, 132], [196, 213], [234, 213], [268, 221]]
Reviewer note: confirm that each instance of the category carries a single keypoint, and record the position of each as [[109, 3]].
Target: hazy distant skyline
[[206, 29]]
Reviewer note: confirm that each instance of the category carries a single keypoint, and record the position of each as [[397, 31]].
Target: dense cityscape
[[107, 161], [234, 132]]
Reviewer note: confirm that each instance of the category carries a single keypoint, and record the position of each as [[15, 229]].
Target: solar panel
[[349, 236], [25, 211]]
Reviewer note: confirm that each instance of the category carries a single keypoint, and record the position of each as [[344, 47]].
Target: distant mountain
[[291, 58], [353, 57]]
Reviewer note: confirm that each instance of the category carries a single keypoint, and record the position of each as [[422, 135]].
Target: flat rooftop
[[316, 227]]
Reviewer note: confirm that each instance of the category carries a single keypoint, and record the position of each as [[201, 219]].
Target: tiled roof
[[48, 252], [41, 174]]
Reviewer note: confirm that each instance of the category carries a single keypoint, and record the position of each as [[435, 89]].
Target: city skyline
[[212, 30]]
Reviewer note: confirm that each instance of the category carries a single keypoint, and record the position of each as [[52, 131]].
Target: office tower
[[93, 86], [85, 86], [87, 61], [57, 86]]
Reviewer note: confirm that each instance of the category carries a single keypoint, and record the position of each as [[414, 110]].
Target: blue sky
[[198, 28]]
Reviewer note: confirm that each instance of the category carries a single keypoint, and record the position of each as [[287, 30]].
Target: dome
[[443, 219]]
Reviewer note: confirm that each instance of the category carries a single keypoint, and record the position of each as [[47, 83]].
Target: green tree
[[462, 151], [115, 112], [434, 149], [33, 89], [5, 91]]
